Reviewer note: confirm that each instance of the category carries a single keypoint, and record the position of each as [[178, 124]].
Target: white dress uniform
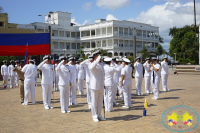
[[29, 83], [4, 73], [12, 75], [47, 82], [127, 85], [109, 86], [164, 75], [16, 77], [56, 77], [115, 80], [36, 76], [147, 77], [73, 84], [155, 80], [64, 85], [138, 77], [85, 64], [97, 88], [119, 82], [80, 78]]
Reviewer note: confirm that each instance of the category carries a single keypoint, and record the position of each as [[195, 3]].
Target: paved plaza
[[184, 90]]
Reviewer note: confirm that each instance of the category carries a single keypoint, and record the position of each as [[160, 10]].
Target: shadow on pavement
[[168, 98], [125, 118]]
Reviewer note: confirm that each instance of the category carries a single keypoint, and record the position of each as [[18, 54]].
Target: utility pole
[[195, 22]]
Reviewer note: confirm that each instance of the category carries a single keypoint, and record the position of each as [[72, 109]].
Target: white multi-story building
[[117, 37]]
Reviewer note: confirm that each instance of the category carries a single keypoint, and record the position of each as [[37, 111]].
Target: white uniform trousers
[[72, 97], [96, 103], [108, 97], [164, 81], [138, 84], [147, 83], [29, 85], [5, 78], [155, 86], [80, 85], [88, 94], [36, 80], [12, 81], [47, 91], [64, 97], [120, 88], [127, 88], [56, 82], [17, 79], [114, 92]]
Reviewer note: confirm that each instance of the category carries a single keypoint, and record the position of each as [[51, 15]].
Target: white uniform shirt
[[146, 68], [47, 73], [85, 64], [138, 69], [30, 71], [119, 74], [72, 73], [77, 70], [64, 73], [96, 75], [116, 73], [109, 73], [10, 70], [4, 70], [156, 74], [56, 72], [127, 71], [80, 72], [164, 67]]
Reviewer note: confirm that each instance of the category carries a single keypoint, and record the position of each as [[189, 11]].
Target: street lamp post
[[42, 21], [64, 51], [175, 56]]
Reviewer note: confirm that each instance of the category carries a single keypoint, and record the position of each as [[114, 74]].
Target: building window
[[1, 24]]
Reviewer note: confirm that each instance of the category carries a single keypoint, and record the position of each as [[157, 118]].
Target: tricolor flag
[[15, 44], [54, 60]]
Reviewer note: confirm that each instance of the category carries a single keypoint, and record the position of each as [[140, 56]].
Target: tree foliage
[[183, 43], [159, 50], [145, 52]]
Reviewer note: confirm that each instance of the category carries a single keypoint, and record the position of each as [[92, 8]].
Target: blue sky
[[162, 13]]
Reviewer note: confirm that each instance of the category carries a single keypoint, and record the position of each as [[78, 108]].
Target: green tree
[[184, 45], [145, 52], [81, 51], [159, 50], [172, 31]]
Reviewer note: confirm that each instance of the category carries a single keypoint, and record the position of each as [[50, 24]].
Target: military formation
[[105, 78]]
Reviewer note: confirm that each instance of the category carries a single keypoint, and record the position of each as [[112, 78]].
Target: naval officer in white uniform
[[115, 79], [30, 72], [138, 76], [96, 86], [56, 75], [4, 73], [126, 82], [73, 72], [121, 96], [109, 84], [155, 77], [164, 74], [80, 76], [147, 76], [85, 64], [47, 81], [64, 85], [12, 74], [16, 76]]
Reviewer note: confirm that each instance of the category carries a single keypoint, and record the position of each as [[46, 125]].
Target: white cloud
[[85, 22], [73, 20], [169, 15], [87, 6], [111, 17], [112, 4]]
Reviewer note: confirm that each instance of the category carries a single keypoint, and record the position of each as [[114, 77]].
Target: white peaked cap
[[126, 60], [107, 59]]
